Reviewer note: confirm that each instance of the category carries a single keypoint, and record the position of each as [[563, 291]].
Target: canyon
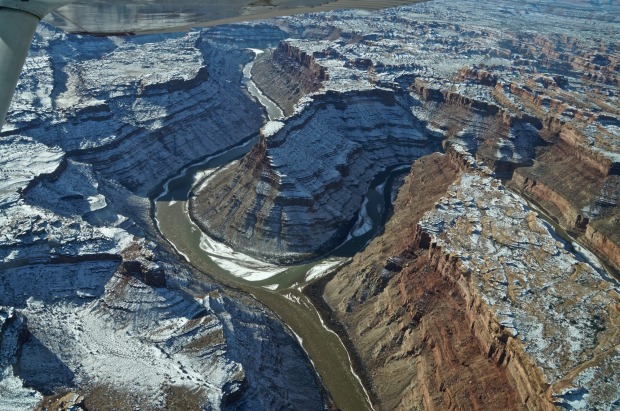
[[276, 207], [468, 292], [491, 285], [94, 304]]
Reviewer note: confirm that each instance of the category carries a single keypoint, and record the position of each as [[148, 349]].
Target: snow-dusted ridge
[[314, 171], [548, 298], [98, 123], [101, 305]]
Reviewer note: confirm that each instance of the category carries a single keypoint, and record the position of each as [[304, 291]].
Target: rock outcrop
[[483, 292], [92, 299], [287, 75], [476, 307], [173, 94], [480, 280], [272, 204], [406, 319]]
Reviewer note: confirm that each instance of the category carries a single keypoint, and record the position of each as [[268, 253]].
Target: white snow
[[543, 294], [13, 395], [323, 268], [271, 128], [238, 264]]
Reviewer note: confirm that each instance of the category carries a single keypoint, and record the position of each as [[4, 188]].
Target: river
[[279, 288]]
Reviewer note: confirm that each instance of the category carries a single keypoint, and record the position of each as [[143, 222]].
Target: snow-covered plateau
[[551, 299], [92, 300], [529, 90], [95, 303]]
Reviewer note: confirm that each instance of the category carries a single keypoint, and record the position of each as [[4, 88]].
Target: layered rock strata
[[580, 193], [538, 105], [479, 282], [272, 204], [406, 319], [288, 74], [134, 108], [92, 299], [524, 97], [502, 93]]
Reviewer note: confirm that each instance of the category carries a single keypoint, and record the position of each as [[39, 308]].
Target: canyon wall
[[579, 190], [478, 306], [274, 205], [139, 107], [287, 75], [457, 305], [92, 299]]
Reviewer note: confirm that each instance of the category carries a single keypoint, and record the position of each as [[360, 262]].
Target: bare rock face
[[274, 205], [171, 105], [481, 281], [558, 307], [92, 300], [579, 190], [138, 262], [287, 75], [406, 318], [411, 321]]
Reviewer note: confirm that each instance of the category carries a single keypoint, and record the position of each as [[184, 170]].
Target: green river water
[[282, 292]]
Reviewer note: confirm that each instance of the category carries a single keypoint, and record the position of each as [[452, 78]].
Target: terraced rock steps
[[274, 205], [474, 289], [92, 299]]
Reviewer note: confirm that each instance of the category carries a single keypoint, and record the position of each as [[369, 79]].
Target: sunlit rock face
[[298, 192], [91, 298], [287, 74], [552, 301], [491, 86], [99, 123], [480, 281], [536, 103]]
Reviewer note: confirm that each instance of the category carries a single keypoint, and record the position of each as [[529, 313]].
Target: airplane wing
[[107, 17]]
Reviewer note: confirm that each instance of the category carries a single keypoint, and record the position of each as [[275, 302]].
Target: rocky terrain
[[406, 318], [504, 94], [288, 74], [480, 296], [96, 309], [478, 293], [468, 300], [273, 205]]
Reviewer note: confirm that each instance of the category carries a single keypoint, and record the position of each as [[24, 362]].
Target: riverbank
[[314, 291], [332, 356], [324, 348]]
